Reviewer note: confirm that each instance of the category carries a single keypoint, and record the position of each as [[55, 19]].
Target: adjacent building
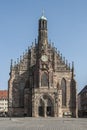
[[42, 82], [3, 102], [82, 102]]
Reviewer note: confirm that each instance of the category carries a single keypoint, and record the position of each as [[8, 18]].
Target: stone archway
[[45, 106]]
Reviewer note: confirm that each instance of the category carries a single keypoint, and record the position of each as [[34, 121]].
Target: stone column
[[36, 110], [45, 114], [33, 105], [39, 79], [60, 103]]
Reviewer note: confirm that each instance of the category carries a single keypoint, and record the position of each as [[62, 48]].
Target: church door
[[45, 107], [41, 111], [41, 108], [49, 109]]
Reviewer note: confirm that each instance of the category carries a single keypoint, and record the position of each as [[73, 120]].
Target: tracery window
[[21, 92], [63, 85], [44, 79]]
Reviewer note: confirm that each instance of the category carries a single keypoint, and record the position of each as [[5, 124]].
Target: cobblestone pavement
[[43, 124]]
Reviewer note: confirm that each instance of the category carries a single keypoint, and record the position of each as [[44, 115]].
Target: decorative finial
[[23, 55], [72, 65], [32, 44], [35, 41], [28, 48], [11, 65], [43, 16], [20, 58], [69, 66], [61, 56], [26, 51], [64, 59], [52, 44], [14, 63], [72, 69], [66, 62]]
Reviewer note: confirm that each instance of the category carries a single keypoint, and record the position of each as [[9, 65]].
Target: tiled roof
[[83, 90], [3, 94]]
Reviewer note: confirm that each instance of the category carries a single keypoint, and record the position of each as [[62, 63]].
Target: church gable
[[56, 59]]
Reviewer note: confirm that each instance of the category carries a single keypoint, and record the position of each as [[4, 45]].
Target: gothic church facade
[[42, 83]]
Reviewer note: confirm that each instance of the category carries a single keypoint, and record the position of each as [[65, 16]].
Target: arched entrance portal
[[45, 107]]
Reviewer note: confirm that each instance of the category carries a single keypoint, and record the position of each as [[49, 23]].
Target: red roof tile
[[3, 94]]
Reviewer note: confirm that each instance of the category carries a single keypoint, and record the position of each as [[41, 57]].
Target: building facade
[[3, 102], [42, 83], [82, 102]]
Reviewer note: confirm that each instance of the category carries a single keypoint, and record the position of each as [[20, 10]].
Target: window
[[44, 79], [63, 85], [21, 98]]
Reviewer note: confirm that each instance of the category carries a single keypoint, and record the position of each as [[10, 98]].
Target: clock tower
[[42, 58], [42, 34]]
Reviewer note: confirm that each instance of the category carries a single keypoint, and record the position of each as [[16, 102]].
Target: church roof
[[43, 17], [83, 90]]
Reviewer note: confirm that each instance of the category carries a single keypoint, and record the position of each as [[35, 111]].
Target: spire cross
[[43, 12]]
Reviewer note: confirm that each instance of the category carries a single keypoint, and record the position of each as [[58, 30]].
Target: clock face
[[44, 58]]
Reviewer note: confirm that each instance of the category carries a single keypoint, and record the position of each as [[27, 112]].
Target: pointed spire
[[73, 66], [72, 69], [58, 52], [69, 66], [20, 58], [23, 55], [14, 63], [61, 56], [43, 17], [52, 44], [64, 59], [66, 62], [11, 65], [35, 41], [17, 60], [28, 48], [26, 51]]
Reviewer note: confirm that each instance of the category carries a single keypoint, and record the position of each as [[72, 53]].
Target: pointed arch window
[[43, 24], [44, 79], [21, 94], [63, 85]]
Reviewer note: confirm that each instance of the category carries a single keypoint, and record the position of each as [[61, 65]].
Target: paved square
[[43, 124]]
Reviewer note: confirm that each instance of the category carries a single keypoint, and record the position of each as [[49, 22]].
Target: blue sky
[[67, 28]]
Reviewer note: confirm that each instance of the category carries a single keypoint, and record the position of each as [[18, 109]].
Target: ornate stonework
[[42, 83]]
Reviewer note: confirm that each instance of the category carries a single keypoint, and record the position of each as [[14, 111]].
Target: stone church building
[[42, 83]]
